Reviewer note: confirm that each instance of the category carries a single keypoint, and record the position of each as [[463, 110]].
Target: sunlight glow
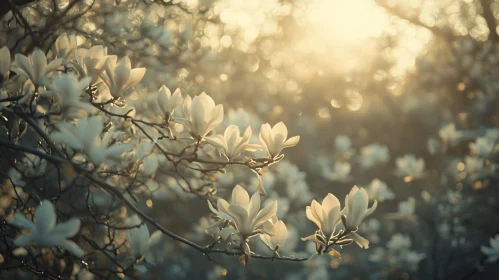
[[346, 21]]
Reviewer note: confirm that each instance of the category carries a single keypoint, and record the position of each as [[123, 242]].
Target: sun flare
[[346, 22]]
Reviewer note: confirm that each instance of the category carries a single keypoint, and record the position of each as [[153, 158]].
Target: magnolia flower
[[65, 45], [141, 243], [85, 136], [326, 215], [492, 252], [35, 68], [344, 145], [378, 190], [340, 172], [231, 143], [449, 134], [279, 234], [356, 208], [274, 138], [410, 167], [45, 232], [120, 77], [4, 64], [202, 115], [244, 213], [67, 91], [373, 154], [168, 102], [405, 211], [482, 147], [90, 62]]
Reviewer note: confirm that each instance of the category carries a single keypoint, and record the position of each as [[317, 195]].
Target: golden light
[[346, 21]]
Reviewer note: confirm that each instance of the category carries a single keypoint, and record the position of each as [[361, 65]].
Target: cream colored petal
[[291, 142], [361, 241], [240, 197], [254, 205], [136, 76], [45, 218], [312, 217], [266, 213]]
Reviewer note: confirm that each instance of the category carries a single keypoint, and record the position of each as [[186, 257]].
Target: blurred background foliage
[[387, 72]]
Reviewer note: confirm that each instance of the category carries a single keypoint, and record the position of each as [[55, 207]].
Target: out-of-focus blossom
[[202, 115], [433, 146], [85, 136], [168, 101], [409, 167], [279, 234], [45, 232], [343, 144], [340, 172], [4, 64], [406, 210], [482, 147], [491, 252], [120, 76], [67, 91], [378, 190], [231, 144], [399, 242], [142, 243], [275, 138], [35, 67], [373, 154], [475, 166], [449, 134], [65, 46]]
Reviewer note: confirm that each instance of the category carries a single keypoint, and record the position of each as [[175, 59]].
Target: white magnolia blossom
[[67, 91], [475, 166], [65, 45], [45, 232], [340, 172], [244, 213], [378, 190], [449, 134], [410, 167], [35, 67], [356, 208], [4, 64], [399, 242], [279, 234], [482, 147], [275, 138], [120, 76], [344, 145], [167, 101], [202, 115], [373, 154], [86, 136], [231, 144], [90, 62], [406, 210], [142, 244], [491, 252], [326, 215]]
